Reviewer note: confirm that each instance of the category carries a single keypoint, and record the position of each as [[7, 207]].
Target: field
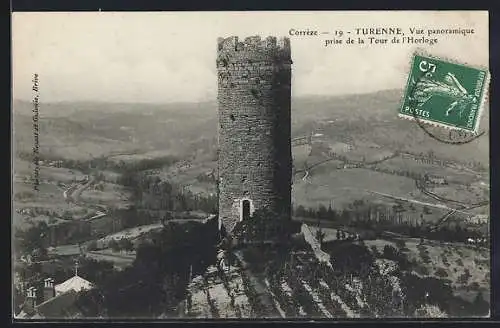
[[134, 157], [132, 233], [104, 193], [193, 175], [120, 260], [300, 154], [31, 206], [344, 186], [451, 174], [468, 195]]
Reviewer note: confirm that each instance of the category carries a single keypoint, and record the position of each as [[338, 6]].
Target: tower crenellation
[[253, 49]]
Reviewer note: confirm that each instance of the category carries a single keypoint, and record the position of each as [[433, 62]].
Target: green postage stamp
[[443, 93]]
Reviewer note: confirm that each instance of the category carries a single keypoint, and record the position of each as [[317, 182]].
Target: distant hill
[[83, 129], [372, 118]]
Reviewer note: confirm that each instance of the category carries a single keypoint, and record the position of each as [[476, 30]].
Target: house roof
[[23, 315], [75, 283], [58, 307], [61, 306]]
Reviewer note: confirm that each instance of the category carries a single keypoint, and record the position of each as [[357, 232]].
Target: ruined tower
[[255, 155]]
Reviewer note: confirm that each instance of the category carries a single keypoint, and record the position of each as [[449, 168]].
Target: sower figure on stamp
[[426, 88]]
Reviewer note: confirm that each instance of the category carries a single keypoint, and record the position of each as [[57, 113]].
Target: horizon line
[[200, 101]]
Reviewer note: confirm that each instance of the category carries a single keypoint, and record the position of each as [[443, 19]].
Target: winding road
[[72, 194]]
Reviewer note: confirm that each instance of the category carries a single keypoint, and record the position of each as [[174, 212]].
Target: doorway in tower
[[245, 209]]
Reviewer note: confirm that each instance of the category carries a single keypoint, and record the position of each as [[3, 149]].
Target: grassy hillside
[[361, 127], [82, 131], [94, 129]]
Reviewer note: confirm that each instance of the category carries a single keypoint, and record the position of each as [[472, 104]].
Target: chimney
[[49, 290], [30, 300]]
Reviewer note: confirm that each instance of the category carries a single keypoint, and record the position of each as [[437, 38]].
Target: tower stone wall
[[255, 156]]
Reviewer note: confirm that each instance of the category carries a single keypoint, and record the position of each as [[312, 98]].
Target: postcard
[[249, 165]]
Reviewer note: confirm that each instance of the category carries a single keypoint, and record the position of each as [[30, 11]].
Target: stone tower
[[255, 154]]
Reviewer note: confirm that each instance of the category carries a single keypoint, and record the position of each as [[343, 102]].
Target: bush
[[351, 259], [464, 278], [92, 246], [113, 244], [475, 285], [428, 290], [430, 311], [424, 254], [126, 244], [400, 243], [440, 272], [445, 260], [480, 306], [422, 270], [375, 251], [265, 225], [390, 252]]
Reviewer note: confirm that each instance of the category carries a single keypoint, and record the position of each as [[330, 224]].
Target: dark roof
[[60, 306]]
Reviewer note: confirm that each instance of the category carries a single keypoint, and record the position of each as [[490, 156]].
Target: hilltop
[[98, 129]]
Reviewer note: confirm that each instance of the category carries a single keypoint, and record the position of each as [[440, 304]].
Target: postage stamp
[[443, 93]]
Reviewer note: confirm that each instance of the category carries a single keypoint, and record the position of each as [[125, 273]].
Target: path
[[260, 288], [440, 206]]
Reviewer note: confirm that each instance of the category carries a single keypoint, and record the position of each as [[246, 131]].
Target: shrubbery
[[464, 278], [440, 272], [265, 226], [159, 274]]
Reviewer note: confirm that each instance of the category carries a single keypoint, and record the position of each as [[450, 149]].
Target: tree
[[126, 244], [390, 252], [320, 236], [19, 299], [113, 244], [464, 278], [92, 246], [475, 286], [374, 250], [322, 212], [343, 235], [400, 243], [91, 303], [265, 225], [33, 239], [300, 211], [481, 307], [440, 272]]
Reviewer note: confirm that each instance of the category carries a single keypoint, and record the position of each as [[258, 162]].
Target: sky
[[162, 57]]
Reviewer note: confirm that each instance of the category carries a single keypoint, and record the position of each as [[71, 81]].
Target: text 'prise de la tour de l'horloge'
[[382, 36]]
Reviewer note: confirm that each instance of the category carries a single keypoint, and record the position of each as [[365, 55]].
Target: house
[[75, 283], [436, 180], [58, 300], [478, 219]]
